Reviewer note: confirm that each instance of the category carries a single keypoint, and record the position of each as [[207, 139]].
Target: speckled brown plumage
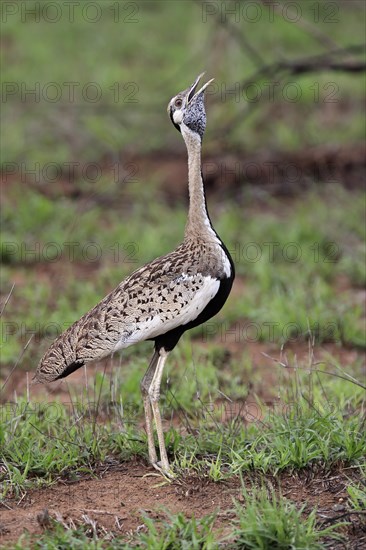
[[156, 289]]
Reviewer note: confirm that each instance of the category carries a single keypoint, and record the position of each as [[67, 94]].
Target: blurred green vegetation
[[300, 267], [100, 86], [77, 91]]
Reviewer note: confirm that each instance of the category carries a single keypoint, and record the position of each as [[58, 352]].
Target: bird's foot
[[164, 469]]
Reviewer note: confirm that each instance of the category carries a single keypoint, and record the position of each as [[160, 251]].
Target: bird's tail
[[60, 359]]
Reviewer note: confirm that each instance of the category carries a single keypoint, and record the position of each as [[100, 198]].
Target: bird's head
[[187, 109]]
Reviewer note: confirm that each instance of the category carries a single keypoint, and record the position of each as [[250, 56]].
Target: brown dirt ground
[[119, 494]]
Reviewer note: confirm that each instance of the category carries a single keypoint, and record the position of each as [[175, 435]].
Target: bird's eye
[[178, 103]]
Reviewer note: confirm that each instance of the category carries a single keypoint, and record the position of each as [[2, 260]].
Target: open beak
[[192, 92]]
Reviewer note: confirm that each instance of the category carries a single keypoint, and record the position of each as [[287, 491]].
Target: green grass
[[178, 532], [316, 424], [269, 521], [94, 427], [291, 264], [60, 538], [357, 496], [304, 439], [174, 533], [357, 499]]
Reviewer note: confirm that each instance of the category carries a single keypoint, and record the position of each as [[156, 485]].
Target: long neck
[[198, 222]]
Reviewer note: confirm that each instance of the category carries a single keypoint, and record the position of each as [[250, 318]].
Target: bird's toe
[[164, 469]]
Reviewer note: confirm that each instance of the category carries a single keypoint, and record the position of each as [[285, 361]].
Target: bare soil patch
[[119, 494]]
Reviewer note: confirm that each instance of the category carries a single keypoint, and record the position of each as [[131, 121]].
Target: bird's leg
[[145, 385], [154, 395], [150, 388]]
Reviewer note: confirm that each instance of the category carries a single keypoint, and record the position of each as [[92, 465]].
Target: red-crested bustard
[[162, 299]]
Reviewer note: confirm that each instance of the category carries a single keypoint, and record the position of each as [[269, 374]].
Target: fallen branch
[[328, 61], [345, 514]]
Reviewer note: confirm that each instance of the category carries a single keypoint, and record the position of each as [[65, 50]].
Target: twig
[[7, 299], [348, 379], [316, 63], [56, 438], [345, 514], [2, 503], [101, 512], [17, 362]]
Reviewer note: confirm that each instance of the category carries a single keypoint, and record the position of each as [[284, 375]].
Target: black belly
[[170, 339]]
